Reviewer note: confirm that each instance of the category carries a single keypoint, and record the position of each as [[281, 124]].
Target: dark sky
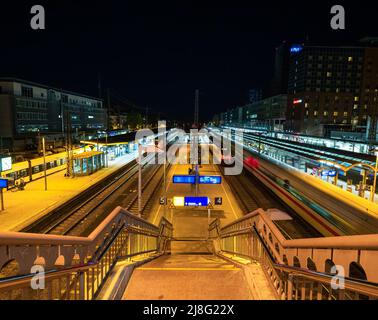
[[157, 53]]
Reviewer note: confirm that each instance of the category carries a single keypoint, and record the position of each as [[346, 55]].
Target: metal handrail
[[285, 279], [85, 281], [362, 287]]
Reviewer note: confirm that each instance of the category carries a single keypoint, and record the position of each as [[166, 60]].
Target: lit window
[[315, 113], [335, 114], [356, 99], [345, 114], [325, 113], [329, 74], [350, 59]]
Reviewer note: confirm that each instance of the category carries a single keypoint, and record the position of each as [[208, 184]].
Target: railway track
[[125, 196], [150, 188], [44, 224], [80, 215], [252, 195]]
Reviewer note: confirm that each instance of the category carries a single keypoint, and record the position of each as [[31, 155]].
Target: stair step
[[190, 247]]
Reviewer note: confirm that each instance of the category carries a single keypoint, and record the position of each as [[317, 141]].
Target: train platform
[[339, 192], [352, 210], [24, 207], [184, 217]]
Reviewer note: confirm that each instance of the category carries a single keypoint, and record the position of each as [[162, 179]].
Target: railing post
[[319, 293], [290, 287], [303, 290], [81, 286]]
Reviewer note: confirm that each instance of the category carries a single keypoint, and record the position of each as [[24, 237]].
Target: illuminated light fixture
[[179, 201], [297, 101], [296, 49]]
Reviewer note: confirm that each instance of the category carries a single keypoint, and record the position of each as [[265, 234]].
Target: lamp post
[[139, 181], [165, 187], [44, 161], [372, 195], [106, 150]]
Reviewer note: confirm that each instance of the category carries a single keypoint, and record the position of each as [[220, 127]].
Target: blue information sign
[[210, 180], [3, 183], [329, 173], [196, 201], [184, 179]]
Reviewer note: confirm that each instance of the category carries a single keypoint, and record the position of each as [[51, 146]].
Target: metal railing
[[243, 239], [134, 237]]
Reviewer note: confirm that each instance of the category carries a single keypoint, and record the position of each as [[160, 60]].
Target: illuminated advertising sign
[[297, 101], [6, 164], [196, 201], [210, 180], [296, 49]]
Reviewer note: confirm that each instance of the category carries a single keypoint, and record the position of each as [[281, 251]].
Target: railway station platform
[[184, 254], [24, 207], [87, 163], [228, 211]]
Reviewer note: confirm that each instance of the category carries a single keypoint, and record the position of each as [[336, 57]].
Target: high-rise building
[[281, 70], [254, 95], [332, 89]]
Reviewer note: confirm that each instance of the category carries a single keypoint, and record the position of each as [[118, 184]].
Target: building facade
[[266, 114], [332, 89], [29, 108], [254, 95]]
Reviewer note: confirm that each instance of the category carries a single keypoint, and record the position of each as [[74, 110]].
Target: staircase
[[193, 272]]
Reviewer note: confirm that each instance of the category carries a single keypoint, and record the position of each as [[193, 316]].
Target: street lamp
[[106, 150], [153, 149], [372, 194], [44, 161], [139, 181]]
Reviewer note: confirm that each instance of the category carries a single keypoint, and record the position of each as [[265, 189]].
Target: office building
[[29, 108], [333, 89]]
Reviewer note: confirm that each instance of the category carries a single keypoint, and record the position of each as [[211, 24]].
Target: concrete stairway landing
[[188, 277]]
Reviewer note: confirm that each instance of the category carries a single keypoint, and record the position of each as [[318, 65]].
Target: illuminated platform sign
[[196, 201], [210, 180], [329, 173], [184, 179], [178, 201], [3, 183]]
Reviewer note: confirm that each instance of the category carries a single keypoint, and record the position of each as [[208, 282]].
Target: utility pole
[[196, 108], [147, 116], [372, 192], [106, 150], [44, 161], [139, 180], [108, 110], [99, 86], [68, 143], [62, 112], [195, 138]]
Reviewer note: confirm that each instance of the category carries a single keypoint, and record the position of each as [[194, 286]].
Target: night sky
[[157, 53]]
